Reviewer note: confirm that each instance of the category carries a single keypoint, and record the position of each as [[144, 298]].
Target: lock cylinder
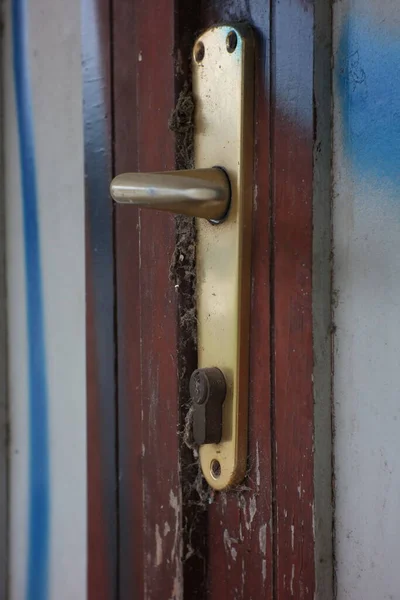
[[207, 391]]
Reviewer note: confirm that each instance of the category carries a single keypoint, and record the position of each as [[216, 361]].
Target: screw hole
[[215, 468], [231, 41], [199, 52]]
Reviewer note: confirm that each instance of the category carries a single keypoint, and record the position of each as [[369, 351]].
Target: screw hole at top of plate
[[199, 51], [231, 41]]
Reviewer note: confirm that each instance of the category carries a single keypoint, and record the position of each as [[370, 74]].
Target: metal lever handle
[[197, 193]]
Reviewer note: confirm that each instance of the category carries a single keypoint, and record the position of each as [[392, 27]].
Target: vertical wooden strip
[[130, 469], [150, 493], [101, 352], [160, 460], [293, 145], [183, 534], [127, 236]]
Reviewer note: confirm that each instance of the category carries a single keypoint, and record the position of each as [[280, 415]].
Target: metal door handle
[[201, 193]]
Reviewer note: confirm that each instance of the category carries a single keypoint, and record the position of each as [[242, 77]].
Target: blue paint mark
[[39, 495], [368, 82]]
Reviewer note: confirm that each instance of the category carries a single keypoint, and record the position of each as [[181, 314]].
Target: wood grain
[[150, 492], [292, 143]]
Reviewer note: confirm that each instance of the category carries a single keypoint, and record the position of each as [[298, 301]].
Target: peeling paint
[[252, 509], [228, 543], [224, 502], [255, 197], [176, 552], [248, 519], [177, 593], [264, 570], [173, 502], [258, 475], [262, 539], [291, 582], [159, 547]]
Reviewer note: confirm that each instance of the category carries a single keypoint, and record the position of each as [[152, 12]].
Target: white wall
[[55, 75], [366, 208]]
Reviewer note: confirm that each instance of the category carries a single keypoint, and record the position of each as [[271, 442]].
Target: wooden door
[[155, 530]]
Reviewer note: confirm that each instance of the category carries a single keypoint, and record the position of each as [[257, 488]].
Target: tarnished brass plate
[[223, 83]]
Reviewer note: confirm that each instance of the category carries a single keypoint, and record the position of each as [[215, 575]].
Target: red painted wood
[[150, 492], [101, 392], [293, 142]]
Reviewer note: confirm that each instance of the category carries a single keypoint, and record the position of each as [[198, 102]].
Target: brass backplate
[[223, 87]]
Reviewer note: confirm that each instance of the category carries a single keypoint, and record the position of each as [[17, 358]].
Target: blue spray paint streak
[[39, 495], [368, 84]]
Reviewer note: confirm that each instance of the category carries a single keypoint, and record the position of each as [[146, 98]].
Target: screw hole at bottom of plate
[[215, 469]]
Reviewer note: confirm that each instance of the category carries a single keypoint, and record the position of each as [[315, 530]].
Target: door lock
[[207, 391], [219, 193]]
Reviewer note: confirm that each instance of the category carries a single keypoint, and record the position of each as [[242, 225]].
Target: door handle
[[219, 193], [202, 193]]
